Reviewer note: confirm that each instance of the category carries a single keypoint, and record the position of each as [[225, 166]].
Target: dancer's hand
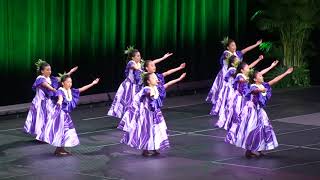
[[95, 81], [274, 63], [183, 65], [259, 42], [59, 102], [167, 55], [73, 69], [260, 57], [289, 71]]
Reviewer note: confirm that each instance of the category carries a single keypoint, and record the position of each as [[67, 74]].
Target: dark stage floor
[[198, 150]]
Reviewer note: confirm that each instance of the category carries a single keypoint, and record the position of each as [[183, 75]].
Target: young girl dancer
[[230, 99], [226, 92], [143, 122], [60, 131], [45, 87], [130, 86], [254, 132], [231, 49]]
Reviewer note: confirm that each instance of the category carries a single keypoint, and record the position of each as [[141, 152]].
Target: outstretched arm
[[69, 73], [163, 58], [245, 50], [170, 83], [84, 88], [278, 78], [274, 64], [256, 61], [171, 71], [72, 70]]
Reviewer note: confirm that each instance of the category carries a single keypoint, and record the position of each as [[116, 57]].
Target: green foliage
[[265, 46], [293, 21]]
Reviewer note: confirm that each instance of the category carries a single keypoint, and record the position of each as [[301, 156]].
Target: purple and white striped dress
[[127, 90], [236, 101], [60, 130], [254, 132], [42, 105], [218, 82], [225, 95], [144, 124]]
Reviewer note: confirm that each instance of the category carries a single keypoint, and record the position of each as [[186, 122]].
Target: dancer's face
[[46, 71], [67, 84], [259, 78], [232, 47], [136, 57], [151, 67], [245, 70], [153, 80]]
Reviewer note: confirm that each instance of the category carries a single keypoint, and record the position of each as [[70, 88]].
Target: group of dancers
[[238, 96], [137, 103], [49, 117]]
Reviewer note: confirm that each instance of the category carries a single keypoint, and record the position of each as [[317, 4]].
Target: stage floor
[[198, 150]]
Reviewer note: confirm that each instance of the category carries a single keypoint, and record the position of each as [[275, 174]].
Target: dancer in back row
[[231, 49]]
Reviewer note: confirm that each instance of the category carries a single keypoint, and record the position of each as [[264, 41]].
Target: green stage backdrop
[[94, 33]]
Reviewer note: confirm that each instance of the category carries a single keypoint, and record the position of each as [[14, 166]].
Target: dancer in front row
[[60, 131], [42, 104], [254, 132], [143, 122]]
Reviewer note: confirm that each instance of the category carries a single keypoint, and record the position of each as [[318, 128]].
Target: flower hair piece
[[227, 57], [251, 72], [129, 49], [225, 40], [143, 75], [236, 62], [61, 75], [142, 62], [39, 63]]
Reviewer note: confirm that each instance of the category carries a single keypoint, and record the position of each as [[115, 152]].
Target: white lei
[[154, 93], [260, 86], [48, 79], [67, 93], [139, 64], [244, 76], [235, 53]]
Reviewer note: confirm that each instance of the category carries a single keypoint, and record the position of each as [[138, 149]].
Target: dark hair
[[231, 60], [252, 76], [146, 64], [229, 42], [132, 53], [146, 77], [64, 78], [42, 66], [240, 67]]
